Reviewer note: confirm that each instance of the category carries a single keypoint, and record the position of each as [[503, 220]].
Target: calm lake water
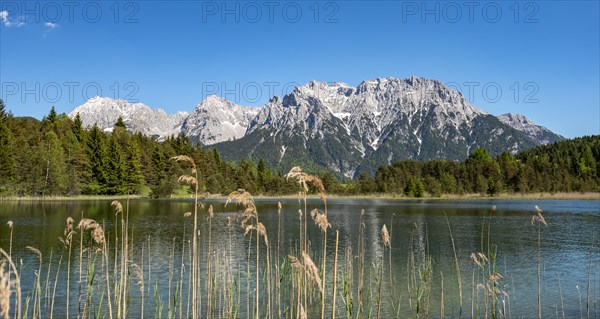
[[570, 254]]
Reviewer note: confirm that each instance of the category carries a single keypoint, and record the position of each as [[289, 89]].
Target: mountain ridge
[[339, 127]]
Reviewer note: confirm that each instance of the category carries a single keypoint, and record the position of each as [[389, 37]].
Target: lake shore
[[474, 196]]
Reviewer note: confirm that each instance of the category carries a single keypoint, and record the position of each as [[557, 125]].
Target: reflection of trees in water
[[420, 239]]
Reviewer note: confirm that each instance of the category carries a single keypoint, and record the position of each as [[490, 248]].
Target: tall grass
[[538, 220], [298, 280]]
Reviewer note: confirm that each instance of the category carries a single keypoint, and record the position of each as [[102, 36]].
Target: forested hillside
[[565, 166], [58, 156]]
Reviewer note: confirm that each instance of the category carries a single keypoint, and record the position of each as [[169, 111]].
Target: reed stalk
[[385, 242], [54, 289], [587, 304], [15, 273], [335, 261], [79, 294], [538, 220], [457, 267], [36, 283], [193, 180]]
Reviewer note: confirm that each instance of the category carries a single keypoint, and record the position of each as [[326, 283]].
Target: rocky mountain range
[[539, 134], [336, 126], [138, 117]]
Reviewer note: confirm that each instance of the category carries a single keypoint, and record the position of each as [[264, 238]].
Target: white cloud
[[8, 23], [4, 18], [51, 26]]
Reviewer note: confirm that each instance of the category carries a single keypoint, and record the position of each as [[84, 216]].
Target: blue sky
[[540, 59]]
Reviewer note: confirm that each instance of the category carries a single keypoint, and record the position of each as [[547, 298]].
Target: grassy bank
[[505, 196]]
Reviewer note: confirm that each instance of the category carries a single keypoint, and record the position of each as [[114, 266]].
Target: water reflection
[[419, 229]]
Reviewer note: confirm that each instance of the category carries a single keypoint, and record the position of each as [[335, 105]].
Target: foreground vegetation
[[58, 157], [106, 274]]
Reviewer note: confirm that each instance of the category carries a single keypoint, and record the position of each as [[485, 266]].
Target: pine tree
[[77, 163], [116, 168], [120, 123], [77, 128], [7, 163], [329, 182], [96, 148], [264, 176], [3, 113], [366, 185], [55, 180], [134, 178], [160, 186], [52, 116], [419, 188]]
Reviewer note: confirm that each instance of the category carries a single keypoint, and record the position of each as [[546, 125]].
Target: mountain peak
[[336, 126], [218, 120], [138, 117], [538, 133], [216, 99]]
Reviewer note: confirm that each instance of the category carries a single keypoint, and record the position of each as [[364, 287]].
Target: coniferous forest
[[57, 156]]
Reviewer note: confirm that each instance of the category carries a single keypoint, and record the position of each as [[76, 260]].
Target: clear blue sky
[[173, 54]]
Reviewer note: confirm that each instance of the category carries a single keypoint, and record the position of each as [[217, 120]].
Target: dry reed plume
[[304, 179], [479, 259], [249, 217], [97, 231], [195, 284], [320, 219], [385, 236], [311, 269], [6, 287]]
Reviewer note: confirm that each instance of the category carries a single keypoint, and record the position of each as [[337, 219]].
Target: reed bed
[[108, 272]]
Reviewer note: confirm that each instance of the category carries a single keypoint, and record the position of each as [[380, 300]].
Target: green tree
[[116, 168], [52, 116], [587, 163], [97, 154], [55, 180], [134, 179], [366, 185], [7, 163], [120, 123], [159, 184], [433, 186], [330, 183], [414, 187], [77, 128], [419, 188], [77, 163], [264, 176], [482, 171]]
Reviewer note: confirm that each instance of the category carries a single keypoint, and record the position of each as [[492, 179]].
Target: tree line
[[57, 156]]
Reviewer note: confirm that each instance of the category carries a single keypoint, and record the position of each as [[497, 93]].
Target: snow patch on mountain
[[138, 117], [539, 134], [218, 120]]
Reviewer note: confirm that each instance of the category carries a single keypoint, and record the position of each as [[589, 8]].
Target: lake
[[417, 275]]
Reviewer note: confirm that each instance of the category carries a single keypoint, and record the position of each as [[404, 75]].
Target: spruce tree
[[159, 184], [52, 116], [264, 176], [120, 123], [7, 163], [115, 168], [77, 128], [77, 163], [96, 148], [134, 178]]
